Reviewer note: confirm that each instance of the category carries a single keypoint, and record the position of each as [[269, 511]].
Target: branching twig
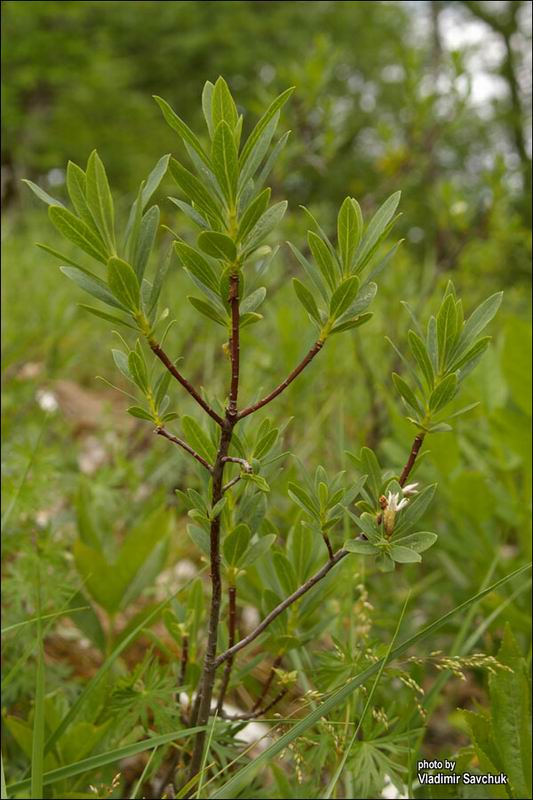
[[230, 483], [268, 683], [316, 348], [181, 443], [279, 609], [254, 714], [242, 461], [417, 444], [162, 356]]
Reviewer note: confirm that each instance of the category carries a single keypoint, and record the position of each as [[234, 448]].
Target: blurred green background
[[432, 98]]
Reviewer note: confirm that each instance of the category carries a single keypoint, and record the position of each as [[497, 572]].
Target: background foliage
[[430, 98]]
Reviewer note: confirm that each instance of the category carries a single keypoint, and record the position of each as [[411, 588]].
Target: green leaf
[[198, 438], [218, 245], [443, 393], [209, 310], [370, 466], [100, 760], [121, 361], [478, 320], [284, 572], [145, 242], [420, 354], [195, 190], [200, 538], [198, 266], [255, 210], [312, 271], [253, 300], [91, 284], [191, 212], [182, 129], [77, 191], [323, 258], [207, 99], [266, 223], [140, 413], [349, 230], [137, 370], [243, 778], [41, 194], [348, 324], [223, 107], [108, 317], [99, 199], [473, 354], [360, 547], [343, 296], [225, 160], [414, 510], [446, 329], [255, 135], [257, 154], [419, 542], [258, 549], [257, 480], [154, 179], [376, 230], [307, 300], [304, 500], [432, 343], [265, 444], [123, 283], [404, 555], [236, 544], [76, 231], [407, 393]]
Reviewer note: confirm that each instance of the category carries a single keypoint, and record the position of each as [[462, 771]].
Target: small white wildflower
[[394, 503], [47, 400], [410, 488]]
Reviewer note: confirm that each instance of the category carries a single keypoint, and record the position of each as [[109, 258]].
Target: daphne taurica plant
[[222, 191]]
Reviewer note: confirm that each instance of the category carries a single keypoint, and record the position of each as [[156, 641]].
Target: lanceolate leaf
[[41, 194], [306, 299], [92, 284], [123, 283], [443, 393], [195, 190], [78, 232], [236, 544], [376, 230], [181, 128], [278, 103], [323, 258], [198, 266], [406, 392], [99, 199], [418, 349], [77, 191], [267, 222], [217, 245], [222, 105], [145, 242], [225, 160], [255, 210], [349, 229], [343, 296], [478, 320]]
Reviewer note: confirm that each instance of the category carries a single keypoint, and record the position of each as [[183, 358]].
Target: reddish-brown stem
[[268, 683], [162, 356], [235, 346], [316, 348], [232, 623], [184, 660], [254, 714], [279, 609], [185, 446], [327, 542], [417, 444]]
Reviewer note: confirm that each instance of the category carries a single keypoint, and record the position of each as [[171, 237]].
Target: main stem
[[202, 709]]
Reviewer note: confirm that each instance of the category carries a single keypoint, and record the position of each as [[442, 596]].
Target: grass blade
[[30, 621], [144, 773], [37, 754], [2, 779], [246, 773], [103, 759], [206, 754], [348, 750]]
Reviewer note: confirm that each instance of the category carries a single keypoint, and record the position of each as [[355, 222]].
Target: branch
[[162, 356], [279, 609], [268, 683], [242, 461], [254, 714], [417, 444], [188, 448], [230, 483], [232, 619], [316, 348], [234, 344]]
